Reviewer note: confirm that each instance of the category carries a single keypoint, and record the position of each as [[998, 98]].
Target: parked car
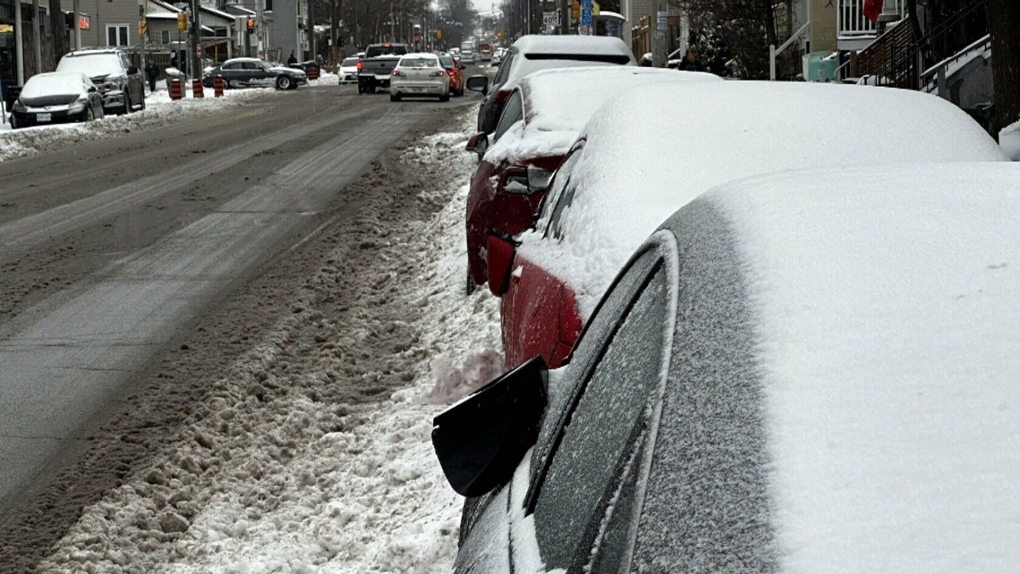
[[57, 97], [120, 83], [348, 72], [629, 168], [456, 71], [376, 67], [532, 53], [542, 117], [810, 372], [252, 72], [419, 75]]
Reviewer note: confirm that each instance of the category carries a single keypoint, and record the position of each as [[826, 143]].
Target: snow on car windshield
[[888, 290], [726, 131], [91, 64], [53, 84]]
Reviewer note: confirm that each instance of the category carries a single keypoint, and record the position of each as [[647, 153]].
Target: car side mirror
[[501, 251], [93, 89], [478, 84], [480, 440], [132, 70], [478, 143]]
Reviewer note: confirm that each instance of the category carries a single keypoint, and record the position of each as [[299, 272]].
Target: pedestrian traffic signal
[[251, 25], [141, 28], [182, 21]]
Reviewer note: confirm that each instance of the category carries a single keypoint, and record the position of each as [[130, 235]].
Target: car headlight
[[78, 106], [19, 107]]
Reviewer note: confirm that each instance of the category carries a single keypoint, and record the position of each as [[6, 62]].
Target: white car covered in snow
[[630, 169], [804, 372]]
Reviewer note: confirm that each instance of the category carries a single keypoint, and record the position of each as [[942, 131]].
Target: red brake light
[[502, 94], [359, 65]]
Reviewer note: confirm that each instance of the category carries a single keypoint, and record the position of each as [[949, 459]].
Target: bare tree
[[1004, 28], [744, 28]]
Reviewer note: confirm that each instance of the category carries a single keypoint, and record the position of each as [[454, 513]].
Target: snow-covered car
[[57, 97], [348, 72], [630, 168], [419, 75], [119, 81], [252, 72], [810, 372], [541, 119], [534, 52]]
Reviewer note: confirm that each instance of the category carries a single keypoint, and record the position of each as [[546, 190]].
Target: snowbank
[[1009, 140], [305, 486]]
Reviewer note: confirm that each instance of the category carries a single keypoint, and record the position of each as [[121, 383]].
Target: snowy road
[[113, 249]]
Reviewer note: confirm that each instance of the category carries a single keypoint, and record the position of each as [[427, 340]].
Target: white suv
[[120, 82]]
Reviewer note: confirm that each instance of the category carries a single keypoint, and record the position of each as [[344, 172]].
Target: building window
[[117, 35], [164, 36]]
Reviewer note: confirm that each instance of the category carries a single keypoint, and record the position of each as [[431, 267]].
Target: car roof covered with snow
[[637, 167], [567, 44], [559, 102], [534, 52], [56, 83], [843, 382]]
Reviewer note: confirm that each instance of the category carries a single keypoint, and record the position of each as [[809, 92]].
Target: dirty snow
[[891, 399], [290, 490]]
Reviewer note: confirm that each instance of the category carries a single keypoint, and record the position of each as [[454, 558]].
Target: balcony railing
[[851, 22]]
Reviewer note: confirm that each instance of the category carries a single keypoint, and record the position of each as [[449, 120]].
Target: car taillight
[[397, 73], [502, 94], [358, 66], [437, 74]]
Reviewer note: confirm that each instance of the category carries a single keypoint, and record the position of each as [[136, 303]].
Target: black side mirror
[[478, 143], [132, 70], [480, 440], [478, 84], [93, 89]]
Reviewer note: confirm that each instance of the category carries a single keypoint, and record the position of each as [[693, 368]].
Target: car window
[[446, 61], [504, 70], [231, 66], [596, 433], [417, 63], [125, 61], [349, 63], [513, 112], [561, 197]]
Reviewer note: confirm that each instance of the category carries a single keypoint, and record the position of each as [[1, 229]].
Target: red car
[[631, 169], [541, 119], [455, 69]]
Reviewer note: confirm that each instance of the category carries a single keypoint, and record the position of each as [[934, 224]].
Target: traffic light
[[141, 28], [182, 21], [439, 34], [251, 25]]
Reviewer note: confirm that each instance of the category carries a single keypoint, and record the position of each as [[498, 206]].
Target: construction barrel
[[313, 72], [196, 89], [175, 90], [218, 87]]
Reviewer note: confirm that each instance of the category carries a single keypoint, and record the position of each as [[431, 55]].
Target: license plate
[[43, 117], [418, 89]]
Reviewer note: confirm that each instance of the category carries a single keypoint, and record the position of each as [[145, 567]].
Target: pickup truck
[[375, 68]]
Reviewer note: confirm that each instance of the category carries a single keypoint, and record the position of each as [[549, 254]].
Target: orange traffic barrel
[[218, 87], [196, 89], [313, 72], [175, 90]]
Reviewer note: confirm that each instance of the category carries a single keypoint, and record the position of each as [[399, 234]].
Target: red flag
[[872, 9]]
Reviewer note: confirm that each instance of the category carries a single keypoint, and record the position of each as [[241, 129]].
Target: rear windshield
[[395, 49], [605, 58], [446, 61], [349, 63], [99, 64], [418, 63]]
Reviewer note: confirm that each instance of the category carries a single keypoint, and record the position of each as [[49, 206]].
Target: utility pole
[[565, 17], [36, 37], [393, 24], [260, 28], [19, 42], [142, 27], [310, 28], [660, 26], [77, 25], [196, 41]]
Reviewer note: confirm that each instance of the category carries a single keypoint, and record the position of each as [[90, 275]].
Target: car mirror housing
[[478, 84], [500, 254], [525, 181], [480, 440], [478, 143]]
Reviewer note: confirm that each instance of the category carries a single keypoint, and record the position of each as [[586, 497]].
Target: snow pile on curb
[[273, 478], [160, 111], [1009, 140]]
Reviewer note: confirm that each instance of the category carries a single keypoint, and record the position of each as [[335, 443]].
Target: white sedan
[[419, 75]]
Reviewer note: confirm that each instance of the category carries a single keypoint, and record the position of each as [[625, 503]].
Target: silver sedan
[[419, 75]]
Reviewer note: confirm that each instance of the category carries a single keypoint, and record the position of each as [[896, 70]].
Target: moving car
[[629, 169], [419, 75], [543, 115], [810, 372], [467, 52], [57, 97], [348, 72], [376, 67], [532, 53], [252, 72], [119, 81], [484, 52], [455, 70]]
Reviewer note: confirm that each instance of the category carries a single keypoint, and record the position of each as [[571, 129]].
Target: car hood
[[50, 100]]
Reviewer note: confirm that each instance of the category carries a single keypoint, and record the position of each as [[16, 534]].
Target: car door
[[585, 464]]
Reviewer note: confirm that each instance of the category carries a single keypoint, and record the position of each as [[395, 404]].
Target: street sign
[[661, 21], [584, 30], [586, 13], [551, 19]]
